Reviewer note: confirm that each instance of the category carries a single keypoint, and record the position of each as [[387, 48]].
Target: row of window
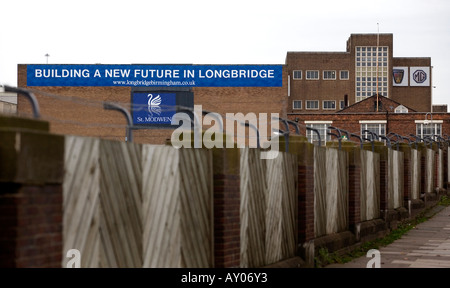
[[314, 104], [371, 71], [326, 75], [422, 130]]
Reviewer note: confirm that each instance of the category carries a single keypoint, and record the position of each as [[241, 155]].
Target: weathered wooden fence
[[268, 208], [430, 168], [81, 201], [395, 181], [330, 191], [136, 205], [129, 205], [370, 185], [415, 174]]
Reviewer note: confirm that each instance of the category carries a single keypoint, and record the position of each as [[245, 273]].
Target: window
[[372, 126], [329, 105], [428, 128], [321, 127], [344, 75], [297, 74], [401, 109], [368, 65], [297, 104], [329, 75], [312, 75], [342, 104], [312, 104]]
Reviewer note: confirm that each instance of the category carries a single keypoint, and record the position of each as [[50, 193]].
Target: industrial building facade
[[313, 89], [330, 81]]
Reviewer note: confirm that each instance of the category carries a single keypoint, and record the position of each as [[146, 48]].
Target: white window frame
[[323, 129], [297, 101], [401, 109], [341, 104], [309, 101], [308, 76], [421, 124], [325, 75], [340, 75], [296, 78], [380, 123], [323, 104], [367, 73]]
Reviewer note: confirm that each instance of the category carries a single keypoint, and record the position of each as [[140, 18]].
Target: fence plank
[[253, 208], [81, 200], [120, 197]]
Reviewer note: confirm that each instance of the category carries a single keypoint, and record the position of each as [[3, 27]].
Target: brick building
[[339, 89], [79, 110], [328, 81], [316, 89], [392, 118]]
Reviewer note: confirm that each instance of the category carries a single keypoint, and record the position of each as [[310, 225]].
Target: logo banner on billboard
[[155, 75], [419, 76], [400, 76], [153, 107]]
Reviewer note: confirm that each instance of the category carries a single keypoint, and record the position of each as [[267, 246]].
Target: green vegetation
[[325, 258], [445, 201]]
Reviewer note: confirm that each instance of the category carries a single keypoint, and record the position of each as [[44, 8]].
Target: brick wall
[[79, 110], [406, 175], [31, 173], [354, 184], [403, 124], [304, 89], [304, 151], [226, 208], [417, 98], [445, 166], [305, 203], [31, 234]]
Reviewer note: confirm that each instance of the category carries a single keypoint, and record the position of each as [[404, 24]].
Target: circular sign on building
[[419, 76]]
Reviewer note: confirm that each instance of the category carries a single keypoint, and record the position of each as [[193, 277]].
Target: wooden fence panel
[[269, 206], [121, 200], [177, 207], [415, 173], [253, 208], [370, 185], [197, 246], [337, 191], [81, 205], [161, 207], [430, 166], [395, 180], [289, 206], [320, 191]]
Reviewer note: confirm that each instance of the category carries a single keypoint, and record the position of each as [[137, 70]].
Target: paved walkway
[[425, 246]]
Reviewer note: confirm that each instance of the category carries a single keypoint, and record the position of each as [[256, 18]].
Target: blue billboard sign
[[153, 107], [155, 75]]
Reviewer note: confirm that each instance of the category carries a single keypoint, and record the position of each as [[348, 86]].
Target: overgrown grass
[[325, 258]]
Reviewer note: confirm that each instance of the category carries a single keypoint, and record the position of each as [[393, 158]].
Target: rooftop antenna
[[378, 43], [47, 55]]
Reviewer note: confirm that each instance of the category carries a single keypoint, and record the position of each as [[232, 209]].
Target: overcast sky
[[215, 32]]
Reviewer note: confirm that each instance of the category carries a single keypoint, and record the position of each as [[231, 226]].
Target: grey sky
[[215, 32]]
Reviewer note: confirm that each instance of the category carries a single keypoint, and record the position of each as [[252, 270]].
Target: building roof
[[369, 105]]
